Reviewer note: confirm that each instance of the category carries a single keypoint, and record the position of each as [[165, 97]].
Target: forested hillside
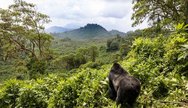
[[89, 31], [38, 70]]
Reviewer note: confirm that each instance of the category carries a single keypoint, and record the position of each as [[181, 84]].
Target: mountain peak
[[93, 27], [92, 24], [90, 31]]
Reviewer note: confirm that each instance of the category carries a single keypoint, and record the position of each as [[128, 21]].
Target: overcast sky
[[111, 14]]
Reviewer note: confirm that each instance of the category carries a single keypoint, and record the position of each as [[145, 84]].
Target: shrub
[[9, 93], [155, 61]]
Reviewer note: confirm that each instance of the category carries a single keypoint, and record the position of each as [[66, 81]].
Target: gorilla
[[124, 89]]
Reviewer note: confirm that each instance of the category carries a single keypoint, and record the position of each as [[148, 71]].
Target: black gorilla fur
[[124, 89]]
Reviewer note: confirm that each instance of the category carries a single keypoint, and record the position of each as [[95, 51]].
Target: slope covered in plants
[[160, 63]]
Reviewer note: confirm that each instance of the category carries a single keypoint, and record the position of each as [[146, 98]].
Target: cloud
[[116, 10], [112, 14], [72, 9], [5, 3]]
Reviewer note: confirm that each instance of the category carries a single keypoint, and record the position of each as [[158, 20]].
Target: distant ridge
[[57, 29], [89, 31], [116, 32]]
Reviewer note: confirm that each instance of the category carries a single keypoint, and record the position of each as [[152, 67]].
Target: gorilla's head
[[117, 69]]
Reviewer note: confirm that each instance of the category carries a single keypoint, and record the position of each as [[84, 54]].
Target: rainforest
[[69, 67]]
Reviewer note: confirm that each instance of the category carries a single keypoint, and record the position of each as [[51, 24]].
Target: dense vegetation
[[160, 63], [65, 73]]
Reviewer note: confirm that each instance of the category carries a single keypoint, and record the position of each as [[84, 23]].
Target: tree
[[93, 52], [124, 48], [22, 36], [114, 44], [22, 31], [165, 12], [83, 53]]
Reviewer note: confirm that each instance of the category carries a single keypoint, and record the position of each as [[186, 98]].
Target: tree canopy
[[165, 12], [22, 31]]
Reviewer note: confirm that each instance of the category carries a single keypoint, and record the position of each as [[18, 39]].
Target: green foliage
[[161, 91], [164, 12], [28, 94], [22, 37], [94, 65], [66, 39], [74, 92], [31, 97], [155, 62], [93, 53], [181, 27], [22, 31], [9, 93], [184, 55], [86, 88], [36, 67], [114, 44], [81, 56]]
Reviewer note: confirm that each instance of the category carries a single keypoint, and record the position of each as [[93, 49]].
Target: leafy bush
[[85, 89], [156, 62], [30, 97], [9, 93]]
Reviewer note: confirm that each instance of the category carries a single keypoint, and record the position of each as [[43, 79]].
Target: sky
[[111, 14]]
